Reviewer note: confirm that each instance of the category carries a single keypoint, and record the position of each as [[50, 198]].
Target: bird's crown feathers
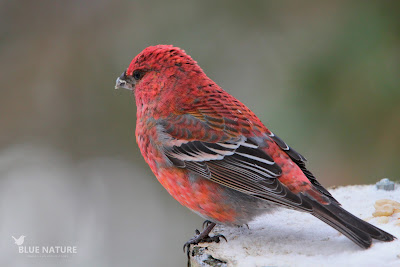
[[161, 56]]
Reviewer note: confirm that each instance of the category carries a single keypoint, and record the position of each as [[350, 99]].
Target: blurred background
[[322, 76]]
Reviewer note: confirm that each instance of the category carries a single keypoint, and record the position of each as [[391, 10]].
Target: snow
[[291, 238]]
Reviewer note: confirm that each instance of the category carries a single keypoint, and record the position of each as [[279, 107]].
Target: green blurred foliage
[[353, 85]]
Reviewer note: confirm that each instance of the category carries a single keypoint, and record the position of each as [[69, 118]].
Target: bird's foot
[[207, 239], [203, 237]]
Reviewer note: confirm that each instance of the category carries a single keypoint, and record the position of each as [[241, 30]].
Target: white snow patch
[[291, 238]]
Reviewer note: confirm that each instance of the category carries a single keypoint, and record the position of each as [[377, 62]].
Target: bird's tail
[[359, 231], [14, 238]]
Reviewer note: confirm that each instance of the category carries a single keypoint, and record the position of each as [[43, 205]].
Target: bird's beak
[[121, 82]]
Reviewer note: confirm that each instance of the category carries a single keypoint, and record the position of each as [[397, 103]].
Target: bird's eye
[[137, 75]]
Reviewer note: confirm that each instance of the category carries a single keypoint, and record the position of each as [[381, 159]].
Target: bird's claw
[[214, 238], [206, 223], [199, 238]]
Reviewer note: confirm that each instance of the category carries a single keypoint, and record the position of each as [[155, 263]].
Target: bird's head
[[155, 63], [161, 71]]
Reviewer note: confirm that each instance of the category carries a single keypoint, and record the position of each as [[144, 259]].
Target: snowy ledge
[[291, 238]]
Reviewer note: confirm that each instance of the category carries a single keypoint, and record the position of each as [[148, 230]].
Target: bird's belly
[[210, 200]]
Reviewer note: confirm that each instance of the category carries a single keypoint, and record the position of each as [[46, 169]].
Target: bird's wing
[[233, 118], [234, 161]]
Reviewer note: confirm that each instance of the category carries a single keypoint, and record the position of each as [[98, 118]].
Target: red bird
[[215, 156]]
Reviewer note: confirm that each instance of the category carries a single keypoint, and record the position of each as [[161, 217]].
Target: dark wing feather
[[301, 162], [238, 164]]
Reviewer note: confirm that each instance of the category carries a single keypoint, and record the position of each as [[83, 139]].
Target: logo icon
[[19, 241]]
